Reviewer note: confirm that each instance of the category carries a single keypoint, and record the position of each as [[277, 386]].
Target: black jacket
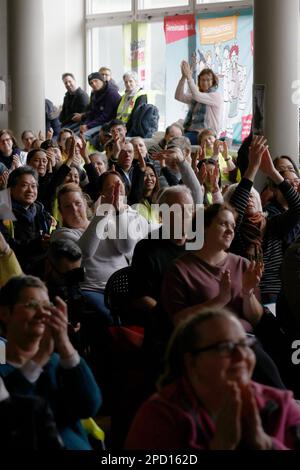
[[76, 102]]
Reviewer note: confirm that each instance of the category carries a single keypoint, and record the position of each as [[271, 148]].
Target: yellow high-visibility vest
[[124, 113]]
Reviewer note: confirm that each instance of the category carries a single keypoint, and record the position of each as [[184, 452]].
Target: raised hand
[[204, 149], [228, 421], [51, 156], [141, 160], [41, 136], [202, 174], [218, 147], [256, 150], [253, 434], [252, 276], [50, 133], [15, 162], [4, 179], [58, 322], [196, 157], [185, 69], [267, 167], [83, 148], [224, 296], [213, 178]]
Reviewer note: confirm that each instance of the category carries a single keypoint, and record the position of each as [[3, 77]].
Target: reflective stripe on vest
[[124, 113]]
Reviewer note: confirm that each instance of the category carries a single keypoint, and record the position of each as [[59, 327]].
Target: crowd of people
[[206, 255]]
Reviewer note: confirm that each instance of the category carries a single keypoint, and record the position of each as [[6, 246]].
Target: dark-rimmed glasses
[[227, 348]]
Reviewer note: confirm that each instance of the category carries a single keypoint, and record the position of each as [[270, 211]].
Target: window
[[109, 6], [121, 49], [148, 4], [199, 2]]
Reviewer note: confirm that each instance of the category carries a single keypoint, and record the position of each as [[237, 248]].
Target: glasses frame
[[227, 348], [35, 305]]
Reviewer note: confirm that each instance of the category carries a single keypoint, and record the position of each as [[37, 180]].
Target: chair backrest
[[117, 293]]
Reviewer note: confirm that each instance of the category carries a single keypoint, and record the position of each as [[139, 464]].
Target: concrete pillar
[[276, 65], [26, 65]]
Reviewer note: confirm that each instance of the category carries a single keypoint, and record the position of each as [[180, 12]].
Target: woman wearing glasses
[[205, 102], [34, 328], [206, 398]]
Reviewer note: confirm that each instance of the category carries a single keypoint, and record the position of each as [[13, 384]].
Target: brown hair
[[209, 72], [213, 210]]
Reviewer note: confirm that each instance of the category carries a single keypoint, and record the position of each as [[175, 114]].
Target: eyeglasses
[[227, 348], [35, 305]]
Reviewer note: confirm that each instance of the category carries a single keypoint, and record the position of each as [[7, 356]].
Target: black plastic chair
[[117, 296]]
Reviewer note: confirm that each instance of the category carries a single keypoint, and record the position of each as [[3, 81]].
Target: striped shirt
[[277, 227]]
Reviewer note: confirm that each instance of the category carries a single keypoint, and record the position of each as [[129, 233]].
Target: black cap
[[96, 75]]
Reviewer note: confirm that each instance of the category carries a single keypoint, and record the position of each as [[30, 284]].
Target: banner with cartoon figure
[[224, 43]]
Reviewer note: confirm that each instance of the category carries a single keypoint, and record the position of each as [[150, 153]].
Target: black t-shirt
[[151, 259]]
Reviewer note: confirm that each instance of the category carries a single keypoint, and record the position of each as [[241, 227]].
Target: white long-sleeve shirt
[[213, 102], [107, 244]]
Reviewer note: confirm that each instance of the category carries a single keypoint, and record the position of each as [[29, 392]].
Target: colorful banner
[[179, 27], [224, 43], [136, 50], [213, 30]]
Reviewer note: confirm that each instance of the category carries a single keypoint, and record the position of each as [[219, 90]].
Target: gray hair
[[131, 74], [163, 195], [101, 155]]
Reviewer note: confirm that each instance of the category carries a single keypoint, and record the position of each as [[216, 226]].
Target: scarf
[[128, 95], [196, 113], [26, 214]]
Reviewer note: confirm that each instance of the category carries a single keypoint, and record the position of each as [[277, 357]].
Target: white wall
[[64, 45]]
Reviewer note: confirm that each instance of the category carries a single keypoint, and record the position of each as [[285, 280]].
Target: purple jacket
[[103, 106], [173, 419]]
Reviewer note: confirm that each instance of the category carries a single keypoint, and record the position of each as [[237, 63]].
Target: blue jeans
[[96, 300], [91, 132], [192, 136]]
